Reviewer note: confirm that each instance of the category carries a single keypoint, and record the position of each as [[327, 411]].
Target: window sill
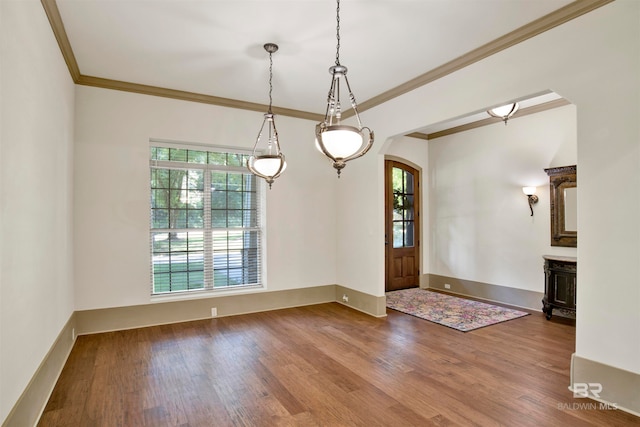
[[191, 295]]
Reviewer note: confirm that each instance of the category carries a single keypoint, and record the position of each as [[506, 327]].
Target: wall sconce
[[530, 192]]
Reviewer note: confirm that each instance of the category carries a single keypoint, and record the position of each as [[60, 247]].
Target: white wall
[[36, 138], [593, 61], [481, 228], [112, 193]]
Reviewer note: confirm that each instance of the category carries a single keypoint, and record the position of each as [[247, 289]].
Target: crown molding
[[490, 120], [55, 20], [191, 96], [532, 29], [547, 22]]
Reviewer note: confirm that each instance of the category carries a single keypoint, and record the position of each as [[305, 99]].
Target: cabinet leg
[[548, 310]]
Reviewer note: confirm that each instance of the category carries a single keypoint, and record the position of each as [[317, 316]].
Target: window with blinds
[[205, 220]]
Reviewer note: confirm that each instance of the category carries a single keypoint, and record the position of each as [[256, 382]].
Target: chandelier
[[268, 162], [341, 143]]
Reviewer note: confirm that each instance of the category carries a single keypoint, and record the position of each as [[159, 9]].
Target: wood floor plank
[[324, 365]]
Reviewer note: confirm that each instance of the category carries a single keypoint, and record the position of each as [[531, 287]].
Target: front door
[[402, 226]]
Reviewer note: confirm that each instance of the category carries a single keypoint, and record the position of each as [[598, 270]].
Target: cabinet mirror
[[564, 202]]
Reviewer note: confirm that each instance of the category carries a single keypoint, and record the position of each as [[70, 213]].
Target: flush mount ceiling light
[[341, 143], [268, 162], [504, 112]]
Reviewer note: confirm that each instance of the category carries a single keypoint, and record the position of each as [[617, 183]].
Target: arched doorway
[[402, 226]]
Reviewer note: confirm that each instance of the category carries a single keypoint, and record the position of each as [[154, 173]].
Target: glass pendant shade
[[268, 165], [529, 191], [342, 141], [504, 112]]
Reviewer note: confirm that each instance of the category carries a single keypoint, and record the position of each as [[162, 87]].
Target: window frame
[[405, 209], [208, 229]]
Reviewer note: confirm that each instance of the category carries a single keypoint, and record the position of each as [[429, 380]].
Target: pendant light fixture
[[504, 112], [341, 143], [270, 163]]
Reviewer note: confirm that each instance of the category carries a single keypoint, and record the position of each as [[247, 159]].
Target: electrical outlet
[[345, 298], [73, 334], [214, 311], [447, 286]]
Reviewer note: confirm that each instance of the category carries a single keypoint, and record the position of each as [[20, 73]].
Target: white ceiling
[[214, 47]]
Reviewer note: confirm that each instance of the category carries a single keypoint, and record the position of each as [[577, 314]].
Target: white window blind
[[206, 223]]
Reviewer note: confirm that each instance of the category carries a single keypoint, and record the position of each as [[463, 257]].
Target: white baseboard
[[31, 403], [616, 388]]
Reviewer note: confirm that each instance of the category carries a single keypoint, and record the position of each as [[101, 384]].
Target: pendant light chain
[[270, 81], [338, 33]]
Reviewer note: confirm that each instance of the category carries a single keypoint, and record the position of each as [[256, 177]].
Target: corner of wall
[[33, 399], [613, 387], [366, 303]]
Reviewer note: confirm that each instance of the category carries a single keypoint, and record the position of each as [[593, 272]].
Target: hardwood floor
[[324, 365]]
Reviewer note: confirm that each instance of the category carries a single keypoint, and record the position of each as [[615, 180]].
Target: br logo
[[581, 390]]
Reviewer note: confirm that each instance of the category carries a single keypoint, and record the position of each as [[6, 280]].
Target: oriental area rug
[[457, 313]]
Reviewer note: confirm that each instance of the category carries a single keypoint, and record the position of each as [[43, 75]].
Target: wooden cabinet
[[560, 284]]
